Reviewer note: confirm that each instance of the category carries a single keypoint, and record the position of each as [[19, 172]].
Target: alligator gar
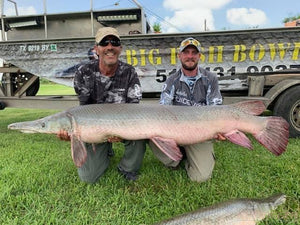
[[233, 212], [167, 126]]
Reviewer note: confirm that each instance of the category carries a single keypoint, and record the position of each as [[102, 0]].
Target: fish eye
[[43, 125]]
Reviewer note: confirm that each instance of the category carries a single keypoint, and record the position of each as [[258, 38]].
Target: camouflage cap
[[106, 31]]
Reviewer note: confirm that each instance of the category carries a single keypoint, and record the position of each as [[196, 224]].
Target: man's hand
[[220, 137], [114, 139], [63, 135]]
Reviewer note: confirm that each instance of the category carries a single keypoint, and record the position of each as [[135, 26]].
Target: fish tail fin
[[276, 200], [275, 136], [254, 107]]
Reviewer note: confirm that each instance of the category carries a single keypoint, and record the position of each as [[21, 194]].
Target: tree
[[156, 28], [291, 18]]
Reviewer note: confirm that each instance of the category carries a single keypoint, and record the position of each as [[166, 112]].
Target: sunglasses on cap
[[114, 42], [190, 41]]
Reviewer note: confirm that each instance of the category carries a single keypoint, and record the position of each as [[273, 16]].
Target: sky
[[177, 15]]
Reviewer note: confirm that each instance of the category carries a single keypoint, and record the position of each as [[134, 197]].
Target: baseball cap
[[189, 41], [106, 31]]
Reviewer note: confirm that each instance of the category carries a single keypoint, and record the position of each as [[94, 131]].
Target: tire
[[18, 80], [34, 88], [288, 107], [2, 105]]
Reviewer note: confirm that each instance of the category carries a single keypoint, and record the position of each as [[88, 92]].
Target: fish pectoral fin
[[239, 138], [169, 147], [78, 151]]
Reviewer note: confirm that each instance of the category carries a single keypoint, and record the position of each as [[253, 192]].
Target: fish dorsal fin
[[78, 151], [254, 107], [239, 138], [169, 147]]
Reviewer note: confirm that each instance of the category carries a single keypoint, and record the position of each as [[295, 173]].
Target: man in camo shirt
[[108, 80], [191, 85]]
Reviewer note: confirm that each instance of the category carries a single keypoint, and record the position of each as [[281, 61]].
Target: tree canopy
[[291, 18]]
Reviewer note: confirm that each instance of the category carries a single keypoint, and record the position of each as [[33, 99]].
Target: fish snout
[[12, 126], [21, 127]]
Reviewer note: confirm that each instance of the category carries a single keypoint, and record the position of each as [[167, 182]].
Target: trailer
[[253, 64]]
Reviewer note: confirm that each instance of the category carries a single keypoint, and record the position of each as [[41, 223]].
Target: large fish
[[234, 212], [166, 126]]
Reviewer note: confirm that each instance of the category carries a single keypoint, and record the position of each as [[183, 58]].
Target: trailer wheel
[[288, 107], [18, 80], [34, 88], [2, 105]]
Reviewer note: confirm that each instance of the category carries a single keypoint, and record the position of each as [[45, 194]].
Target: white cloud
[[30, 10], [244, 16], [193, 20], [194, 4], [190, 15]]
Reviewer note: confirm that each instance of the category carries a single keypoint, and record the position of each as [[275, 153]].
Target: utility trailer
[[251, 64]]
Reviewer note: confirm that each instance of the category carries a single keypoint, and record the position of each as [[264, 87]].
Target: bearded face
[[189, 58]]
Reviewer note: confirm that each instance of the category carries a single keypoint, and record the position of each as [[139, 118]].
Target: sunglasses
[[190, 42], [114, 42]]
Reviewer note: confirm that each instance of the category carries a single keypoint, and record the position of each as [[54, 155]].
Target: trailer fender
[[285, 99], [279, 88]]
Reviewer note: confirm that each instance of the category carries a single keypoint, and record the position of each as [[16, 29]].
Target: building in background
[[294, 23]]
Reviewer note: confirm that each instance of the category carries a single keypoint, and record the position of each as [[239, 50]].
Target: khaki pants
[[199, 163]]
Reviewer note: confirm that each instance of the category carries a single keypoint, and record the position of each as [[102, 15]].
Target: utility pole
[[2, 21], [45, 19], [143, 16], [92, 18], [16, 8]]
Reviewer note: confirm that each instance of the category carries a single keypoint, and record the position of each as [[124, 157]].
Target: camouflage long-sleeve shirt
[[92, 87], [203, 89]]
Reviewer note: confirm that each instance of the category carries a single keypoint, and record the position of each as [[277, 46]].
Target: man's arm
[[82, 85], [214, 96]]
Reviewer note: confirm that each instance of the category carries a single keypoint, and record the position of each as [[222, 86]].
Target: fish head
[[50, 124]]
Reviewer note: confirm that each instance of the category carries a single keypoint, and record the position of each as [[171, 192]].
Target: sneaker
[[128, 175], [174, 167]]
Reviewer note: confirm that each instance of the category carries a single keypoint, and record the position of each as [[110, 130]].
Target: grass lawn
[[39, 182], [50, 88]]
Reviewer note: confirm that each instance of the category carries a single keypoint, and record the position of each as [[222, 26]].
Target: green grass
[[49, 88], [39, 182]]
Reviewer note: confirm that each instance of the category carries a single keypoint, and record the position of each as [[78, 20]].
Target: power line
[[107, 6], [157, 16]]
